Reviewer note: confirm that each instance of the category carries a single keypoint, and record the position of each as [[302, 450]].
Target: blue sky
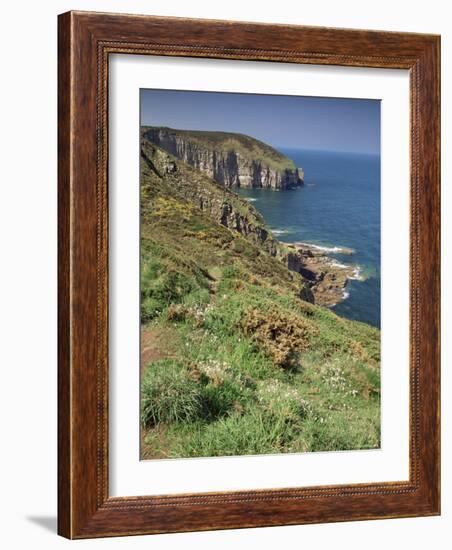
[[329, 124]]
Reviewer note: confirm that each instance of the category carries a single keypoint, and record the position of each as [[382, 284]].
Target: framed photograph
[[248, 275]]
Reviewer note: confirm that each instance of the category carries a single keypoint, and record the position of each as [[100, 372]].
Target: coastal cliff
[[228, 158], [316, 277]]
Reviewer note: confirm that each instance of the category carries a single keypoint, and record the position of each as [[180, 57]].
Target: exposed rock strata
[[234, 160]]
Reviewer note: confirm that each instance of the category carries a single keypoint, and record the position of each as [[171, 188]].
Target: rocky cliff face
[[222, 205], [227, 161], [166, 177], [322, 281]]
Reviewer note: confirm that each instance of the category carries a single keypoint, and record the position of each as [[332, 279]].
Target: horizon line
[[371, 153], [277, 147]]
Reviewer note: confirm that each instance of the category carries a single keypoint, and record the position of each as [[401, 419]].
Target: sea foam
[[329, 249], [280, 231]]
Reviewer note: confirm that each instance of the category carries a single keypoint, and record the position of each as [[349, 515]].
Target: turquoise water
[[339, 206]]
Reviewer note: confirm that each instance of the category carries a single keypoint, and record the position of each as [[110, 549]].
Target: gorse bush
[[280, 334], [176, 312]]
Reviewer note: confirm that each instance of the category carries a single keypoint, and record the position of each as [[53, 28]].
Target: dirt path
[[156, 343]]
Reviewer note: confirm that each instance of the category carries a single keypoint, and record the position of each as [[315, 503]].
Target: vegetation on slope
[[233, 361]]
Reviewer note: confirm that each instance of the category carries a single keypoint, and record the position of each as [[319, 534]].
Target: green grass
[[168, 395], [251, 433], [242, 402], [251, 368]]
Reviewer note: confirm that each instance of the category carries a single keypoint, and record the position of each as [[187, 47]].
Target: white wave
[[250, 199], [357, 274], [330, 249], [280, 231], [345, 294]]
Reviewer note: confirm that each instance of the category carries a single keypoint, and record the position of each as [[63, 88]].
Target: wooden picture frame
[[86, 40]]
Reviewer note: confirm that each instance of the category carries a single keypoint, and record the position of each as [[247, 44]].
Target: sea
[[337, 208]]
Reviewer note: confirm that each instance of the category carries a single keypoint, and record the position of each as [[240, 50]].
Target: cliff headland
[[229, 158]]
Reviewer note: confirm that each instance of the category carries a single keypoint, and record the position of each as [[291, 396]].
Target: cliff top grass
[[247, 146]]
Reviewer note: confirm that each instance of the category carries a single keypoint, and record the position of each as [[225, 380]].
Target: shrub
[[358, 350], [281, 335], [176, 312], [168, 394]]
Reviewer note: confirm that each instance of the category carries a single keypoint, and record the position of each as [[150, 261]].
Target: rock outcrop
[[326, 277], [230, 159]]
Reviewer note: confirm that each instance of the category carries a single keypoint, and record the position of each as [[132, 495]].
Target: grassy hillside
[[246, 146], [233, 360]]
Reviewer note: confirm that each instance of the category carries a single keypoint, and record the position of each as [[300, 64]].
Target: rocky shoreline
[[326, 276]]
